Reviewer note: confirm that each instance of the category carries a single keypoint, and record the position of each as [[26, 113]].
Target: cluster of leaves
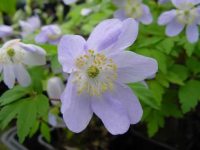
[[28, 105], [173, 92], [175, 89]]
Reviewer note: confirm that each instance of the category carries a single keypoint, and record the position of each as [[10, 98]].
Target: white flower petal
[[22, 75], [8, 75], [55, 87]]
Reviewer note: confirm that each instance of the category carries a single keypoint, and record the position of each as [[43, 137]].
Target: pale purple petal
[[50, 34], [133, 67], [41, 38], [55, 87], [5, 31], [163, 1], [33, 48], [192, 32], [104, 35], [77, 112], [126, 96], [174, 28], [22, 75], [67, 2], [146, 17], [119, 3], [120, 14], [8, 75], [1, 68], [34, 21], [112, 112], [86, 11], [179, 3], [194, 2], [127, 36], [69, 48], [166, 17]]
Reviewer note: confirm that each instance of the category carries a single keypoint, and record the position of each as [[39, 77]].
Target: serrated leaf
[[144, 95], [13, 95], [154, 123], [34, 128], [42, 104], [189, 95], [26, 118], [166, 45], [45, 131], [8, 113], [157, 90], [37, 75], [190, 48], [193, 64]]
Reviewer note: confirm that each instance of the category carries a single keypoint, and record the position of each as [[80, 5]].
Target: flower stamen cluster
[[95, 73]]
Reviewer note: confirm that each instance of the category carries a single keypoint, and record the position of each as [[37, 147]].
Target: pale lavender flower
[[5, 31], [68, 2], [55, 87], [86, 11], [13, 56], [163, 1], [55, 121], [100, 69], [49, 34], [30, 25], [133, 9], [186, 14]]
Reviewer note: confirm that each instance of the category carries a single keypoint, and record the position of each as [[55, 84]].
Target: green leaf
[[154, 122], [42, 104], [34, 128], [45, 131], [55, 65], [8, 113], [189, 95], [37, 74], [8, 6], [166, 45], [157, 90], [193, 64], [144, 95], [13, 95], [26, 118], [189, 48]]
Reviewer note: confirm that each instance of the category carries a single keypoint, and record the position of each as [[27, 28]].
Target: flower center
[[11, 52], [187, 16], [92, 72], [133, 9], [95, 73]]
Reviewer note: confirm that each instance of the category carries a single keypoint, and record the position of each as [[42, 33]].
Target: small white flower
[[55, 87], [186, 14], [13, 56], [133, 9], [86, 11], [30, 25]]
